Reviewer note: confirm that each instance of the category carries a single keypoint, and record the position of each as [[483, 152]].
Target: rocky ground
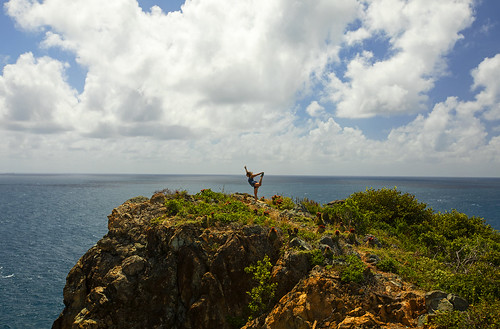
[[190, 274]]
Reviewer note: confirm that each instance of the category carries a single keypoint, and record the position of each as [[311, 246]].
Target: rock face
[[190, 275], [143, 276], [321, 300]]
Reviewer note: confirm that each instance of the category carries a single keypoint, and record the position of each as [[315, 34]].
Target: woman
[[254, 183]]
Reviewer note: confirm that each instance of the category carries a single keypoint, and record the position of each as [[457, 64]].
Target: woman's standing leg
[[257, 185]]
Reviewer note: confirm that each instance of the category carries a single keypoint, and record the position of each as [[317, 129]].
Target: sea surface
[[47, 222]]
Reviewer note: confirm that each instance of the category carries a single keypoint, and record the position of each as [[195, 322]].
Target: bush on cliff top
[[391, 206], [354, 270], [465, 249], [217, 207], [449, 251]]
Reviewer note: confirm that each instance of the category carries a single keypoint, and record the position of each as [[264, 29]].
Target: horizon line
[[215, 174]]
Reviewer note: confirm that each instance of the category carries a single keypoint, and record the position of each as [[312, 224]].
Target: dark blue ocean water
[[47, 222]]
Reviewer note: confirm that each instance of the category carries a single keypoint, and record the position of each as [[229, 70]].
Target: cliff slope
[[160, 267]]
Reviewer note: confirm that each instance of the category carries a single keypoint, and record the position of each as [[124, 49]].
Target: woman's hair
[[249, 173]]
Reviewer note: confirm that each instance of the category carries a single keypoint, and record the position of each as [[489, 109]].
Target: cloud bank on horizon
[[353, 87]]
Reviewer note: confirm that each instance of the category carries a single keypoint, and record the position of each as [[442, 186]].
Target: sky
[[288, 87]]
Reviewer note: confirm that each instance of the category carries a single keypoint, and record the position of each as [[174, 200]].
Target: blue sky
[[355, 87]]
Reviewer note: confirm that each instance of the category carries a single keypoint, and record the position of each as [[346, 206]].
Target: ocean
[[47, 222]]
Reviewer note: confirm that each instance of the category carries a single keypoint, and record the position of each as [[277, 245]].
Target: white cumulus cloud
[[419, 34], [35, 97], [486, 78], [220, 84]]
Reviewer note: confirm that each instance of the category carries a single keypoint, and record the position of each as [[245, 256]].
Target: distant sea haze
[[47, 222]]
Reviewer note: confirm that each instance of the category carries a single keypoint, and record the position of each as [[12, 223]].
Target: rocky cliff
[[154, 269]]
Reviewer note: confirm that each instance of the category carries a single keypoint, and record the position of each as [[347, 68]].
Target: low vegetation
[[262, 294], [449, 251]]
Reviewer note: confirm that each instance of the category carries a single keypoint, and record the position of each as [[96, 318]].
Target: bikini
[[251, 181]]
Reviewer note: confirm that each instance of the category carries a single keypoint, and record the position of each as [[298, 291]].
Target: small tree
[[261, 295]]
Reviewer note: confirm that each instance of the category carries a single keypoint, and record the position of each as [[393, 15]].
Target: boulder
[[458, 302], [433, 298], [438, 300], [299, 244], [133, 265]]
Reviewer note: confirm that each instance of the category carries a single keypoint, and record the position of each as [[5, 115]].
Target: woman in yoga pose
[[253, 182]]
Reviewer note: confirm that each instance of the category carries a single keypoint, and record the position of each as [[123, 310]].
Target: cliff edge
[[182, 261]]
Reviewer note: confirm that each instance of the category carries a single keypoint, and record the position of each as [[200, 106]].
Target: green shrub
[[174, 206], [483, 315], [234, 206], [287, 203], [388, 265], [391, 206], [202, 208], [308, 235], [353, 272], [227, 218], [263, 293], [281, 202], [217, 206], [453, 252], [350, 215], [454, 224], [315, 257], [210, 196], [435, 243], [460, 240], [482, 281], [312, 206]]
